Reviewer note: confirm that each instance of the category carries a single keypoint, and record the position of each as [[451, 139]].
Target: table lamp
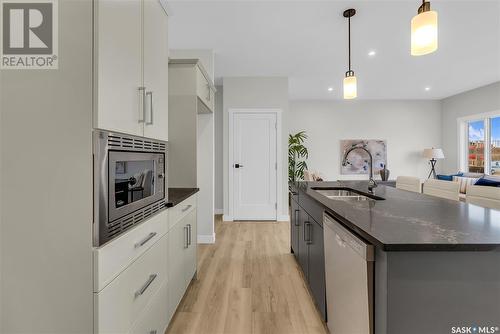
[[433, 154]]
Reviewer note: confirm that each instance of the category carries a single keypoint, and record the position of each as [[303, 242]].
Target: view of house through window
[[476, 146], [495, 145]]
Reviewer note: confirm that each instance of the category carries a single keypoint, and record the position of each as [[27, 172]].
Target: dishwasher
[[349, 280]]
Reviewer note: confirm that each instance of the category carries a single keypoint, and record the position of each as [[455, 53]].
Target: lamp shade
[[350, 87], [433, 153], [424, 33]]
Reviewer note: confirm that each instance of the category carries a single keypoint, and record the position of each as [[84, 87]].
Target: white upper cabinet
[[118, 61], [204, 89], [156, 70], [131, 67]]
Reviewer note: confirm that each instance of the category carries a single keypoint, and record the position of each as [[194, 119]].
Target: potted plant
[[297, 153]]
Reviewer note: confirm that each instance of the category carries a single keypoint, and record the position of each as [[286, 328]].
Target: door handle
[[238, 166], [146, 285], [150, 94], [142, 96]]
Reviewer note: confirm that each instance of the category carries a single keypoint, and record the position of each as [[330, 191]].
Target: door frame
[[279, 162]]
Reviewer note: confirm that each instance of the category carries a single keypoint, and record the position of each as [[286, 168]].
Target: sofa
[[466, 180]]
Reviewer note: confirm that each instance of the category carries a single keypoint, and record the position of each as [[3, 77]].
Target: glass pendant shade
[[350, 87], [424, 33]]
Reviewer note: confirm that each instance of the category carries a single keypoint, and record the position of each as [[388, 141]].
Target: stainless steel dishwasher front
[[349, 280]]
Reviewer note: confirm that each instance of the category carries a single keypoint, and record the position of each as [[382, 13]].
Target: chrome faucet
[[371, 184]]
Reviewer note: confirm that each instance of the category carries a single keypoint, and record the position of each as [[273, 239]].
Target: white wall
[[256, 92], [481, 100], [408, 127], [218, 120]]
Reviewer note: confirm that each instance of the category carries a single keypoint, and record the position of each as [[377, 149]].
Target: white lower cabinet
[[155, 318], [182, 256], [144, 296], [119, 304]]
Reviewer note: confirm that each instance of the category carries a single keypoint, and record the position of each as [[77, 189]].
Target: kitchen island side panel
[[431, 292]]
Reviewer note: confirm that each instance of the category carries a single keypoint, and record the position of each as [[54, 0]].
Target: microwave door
[[135, 180]]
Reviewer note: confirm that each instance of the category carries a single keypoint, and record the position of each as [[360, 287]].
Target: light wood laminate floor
[[248, 282]]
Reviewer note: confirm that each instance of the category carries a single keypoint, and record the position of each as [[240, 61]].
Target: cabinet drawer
[[154, 319], [181, 210], [111, 259], [124, 299]]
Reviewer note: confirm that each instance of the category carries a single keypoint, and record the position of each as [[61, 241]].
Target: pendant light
[[350, 84], [424, 31]]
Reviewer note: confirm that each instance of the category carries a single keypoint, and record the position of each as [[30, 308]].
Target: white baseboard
[[206, 238], [227, 218], [284, 218], [219, 211]]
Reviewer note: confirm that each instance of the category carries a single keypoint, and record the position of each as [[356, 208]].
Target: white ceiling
[[307, 42]]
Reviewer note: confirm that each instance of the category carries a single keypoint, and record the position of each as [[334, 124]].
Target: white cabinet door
[[190, 253], [177, 244], [118, 57], [156, 70]]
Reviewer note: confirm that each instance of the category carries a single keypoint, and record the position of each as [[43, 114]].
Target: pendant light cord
[[349, 37]]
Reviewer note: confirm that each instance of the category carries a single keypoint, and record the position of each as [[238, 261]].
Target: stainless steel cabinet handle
[[296, 223], [189, 234], [186, 245], [146, 239], [146, 285], [153, 331], [187, 208], [305, 224], [150, 94], [309, 233], [142, 95]]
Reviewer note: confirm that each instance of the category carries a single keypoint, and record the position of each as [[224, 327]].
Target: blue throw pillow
[[447, 177], [487, 182]]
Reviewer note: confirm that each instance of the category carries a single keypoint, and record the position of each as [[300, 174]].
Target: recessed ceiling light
[[330, 89], [372, 53], [427, 89]]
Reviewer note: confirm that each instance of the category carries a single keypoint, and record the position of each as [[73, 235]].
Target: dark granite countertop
[[177, 195], [407, 221]]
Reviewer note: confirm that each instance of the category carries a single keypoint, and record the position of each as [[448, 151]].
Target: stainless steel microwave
[[130, 183]]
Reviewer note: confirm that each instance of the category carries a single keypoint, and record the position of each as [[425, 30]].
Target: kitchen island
[[437, 262]]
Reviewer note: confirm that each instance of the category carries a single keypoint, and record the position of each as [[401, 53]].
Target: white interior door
[[254, 166]]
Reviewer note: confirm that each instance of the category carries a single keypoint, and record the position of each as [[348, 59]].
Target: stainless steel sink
[[346, 194]]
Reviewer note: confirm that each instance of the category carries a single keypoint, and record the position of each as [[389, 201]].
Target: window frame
[[463, 139]]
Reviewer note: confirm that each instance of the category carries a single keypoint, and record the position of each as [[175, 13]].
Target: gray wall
[[257, 92], [218, 115], [46, 191], [407, 126], [477, 101]]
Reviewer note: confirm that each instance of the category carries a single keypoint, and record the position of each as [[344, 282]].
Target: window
[[495, 145], [476, 147], [480, 140]]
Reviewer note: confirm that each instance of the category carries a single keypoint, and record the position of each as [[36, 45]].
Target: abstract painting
[[358, 161]]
